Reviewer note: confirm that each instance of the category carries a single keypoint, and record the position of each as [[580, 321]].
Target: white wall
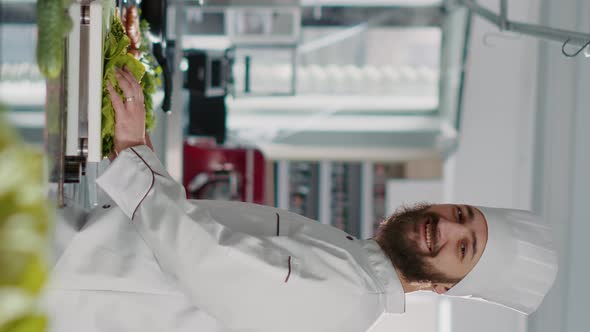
[[524, 145], [561, 186], [494, 161], [492, 165], [554, 139]]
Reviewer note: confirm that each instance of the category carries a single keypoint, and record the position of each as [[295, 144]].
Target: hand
[[129, 113]]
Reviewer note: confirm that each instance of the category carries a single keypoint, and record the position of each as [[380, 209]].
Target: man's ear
[[441, 288]]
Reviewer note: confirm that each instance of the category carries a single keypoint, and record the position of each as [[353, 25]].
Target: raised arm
[[253, 268]]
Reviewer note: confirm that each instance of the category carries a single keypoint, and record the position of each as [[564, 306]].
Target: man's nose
[[450, 230]]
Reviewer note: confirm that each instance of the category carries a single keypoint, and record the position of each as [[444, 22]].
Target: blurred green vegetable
[[29, 323], [20, 165], [24, 225], [54, 23], [24, 270]]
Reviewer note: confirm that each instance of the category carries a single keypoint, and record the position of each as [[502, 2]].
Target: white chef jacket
[[106, 279], [253, 268]]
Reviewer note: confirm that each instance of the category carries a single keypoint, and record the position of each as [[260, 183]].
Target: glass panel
[[21, 83], [345, 197], [303, 188], [263, 23], [364, 3], [22, 88], [379, 61], [204, 22], [283, 24], [262, 71], [456, 30]]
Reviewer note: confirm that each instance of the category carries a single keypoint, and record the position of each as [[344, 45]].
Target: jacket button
[[349, 237], [106, 206]]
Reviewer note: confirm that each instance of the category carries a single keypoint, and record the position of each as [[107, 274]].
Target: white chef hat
[[518, 265]]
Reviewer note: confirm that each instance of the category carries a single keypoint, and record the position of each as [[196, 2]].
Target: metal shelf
[[326, 104], [23, 93], [345, 136], [367, 3], [27, 120]]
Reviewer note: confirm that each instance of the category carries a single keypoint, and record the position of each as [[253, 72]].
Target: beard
[[396, 240]]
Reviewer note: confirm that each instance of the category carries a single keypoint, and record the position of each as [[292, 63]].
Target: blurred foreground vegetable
[[54, 23], [24, 226]]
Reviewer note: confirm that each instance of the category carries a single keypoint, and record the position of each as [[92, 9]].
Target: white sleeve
[[250, 282]]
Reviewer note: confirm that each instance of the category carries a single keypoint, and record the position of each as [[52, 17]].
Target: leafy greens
[[145, 70]]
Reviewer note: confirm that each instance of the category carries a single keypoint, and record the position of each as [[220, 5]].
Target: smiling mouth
[[429, 228]]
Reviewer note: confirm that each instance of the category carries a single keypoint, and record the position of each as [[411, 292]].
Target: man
[[150, 262]]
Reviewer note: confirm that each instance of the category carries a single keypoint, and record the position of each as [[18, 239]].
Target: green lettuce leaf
[[152, 79], [116, 56]]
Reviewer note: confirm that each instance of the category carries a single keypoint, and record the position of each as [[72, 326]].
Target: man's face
[[435, 243]]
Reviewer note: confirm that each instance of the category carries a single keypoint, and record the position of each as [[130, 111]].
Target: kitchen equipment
[[154, 11], [223, 173]]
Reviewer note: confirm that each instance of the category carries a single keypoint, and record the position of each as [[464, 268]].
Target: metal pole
[[504, 14], [534, 30], [174, 138], [550, 33], [294, 66], [482, 11], [337, 37]]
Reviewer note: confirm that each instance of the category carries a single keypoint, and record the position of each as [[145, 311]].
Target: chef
[[151, 260]]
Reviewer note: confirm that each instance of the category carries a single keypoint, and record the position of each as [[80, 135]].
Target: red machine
[[223, 173]]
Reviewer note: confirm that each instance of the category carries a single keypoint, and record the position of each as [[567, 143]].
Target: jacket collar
[[395, 297]]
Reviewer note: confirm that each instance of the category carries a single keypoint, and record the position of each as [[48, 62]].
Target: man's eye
[[460, 215], [463, 250]]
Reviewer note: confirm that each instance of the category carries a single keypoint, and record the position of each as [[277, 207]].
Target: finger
[[130, 77], [127, 75], [118, 105], [137, 93], [124, 84], [134, 82]]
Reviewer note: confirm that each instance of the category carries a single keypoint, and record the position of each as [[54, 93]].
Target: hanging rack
[[539, 31], [572, 55]]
